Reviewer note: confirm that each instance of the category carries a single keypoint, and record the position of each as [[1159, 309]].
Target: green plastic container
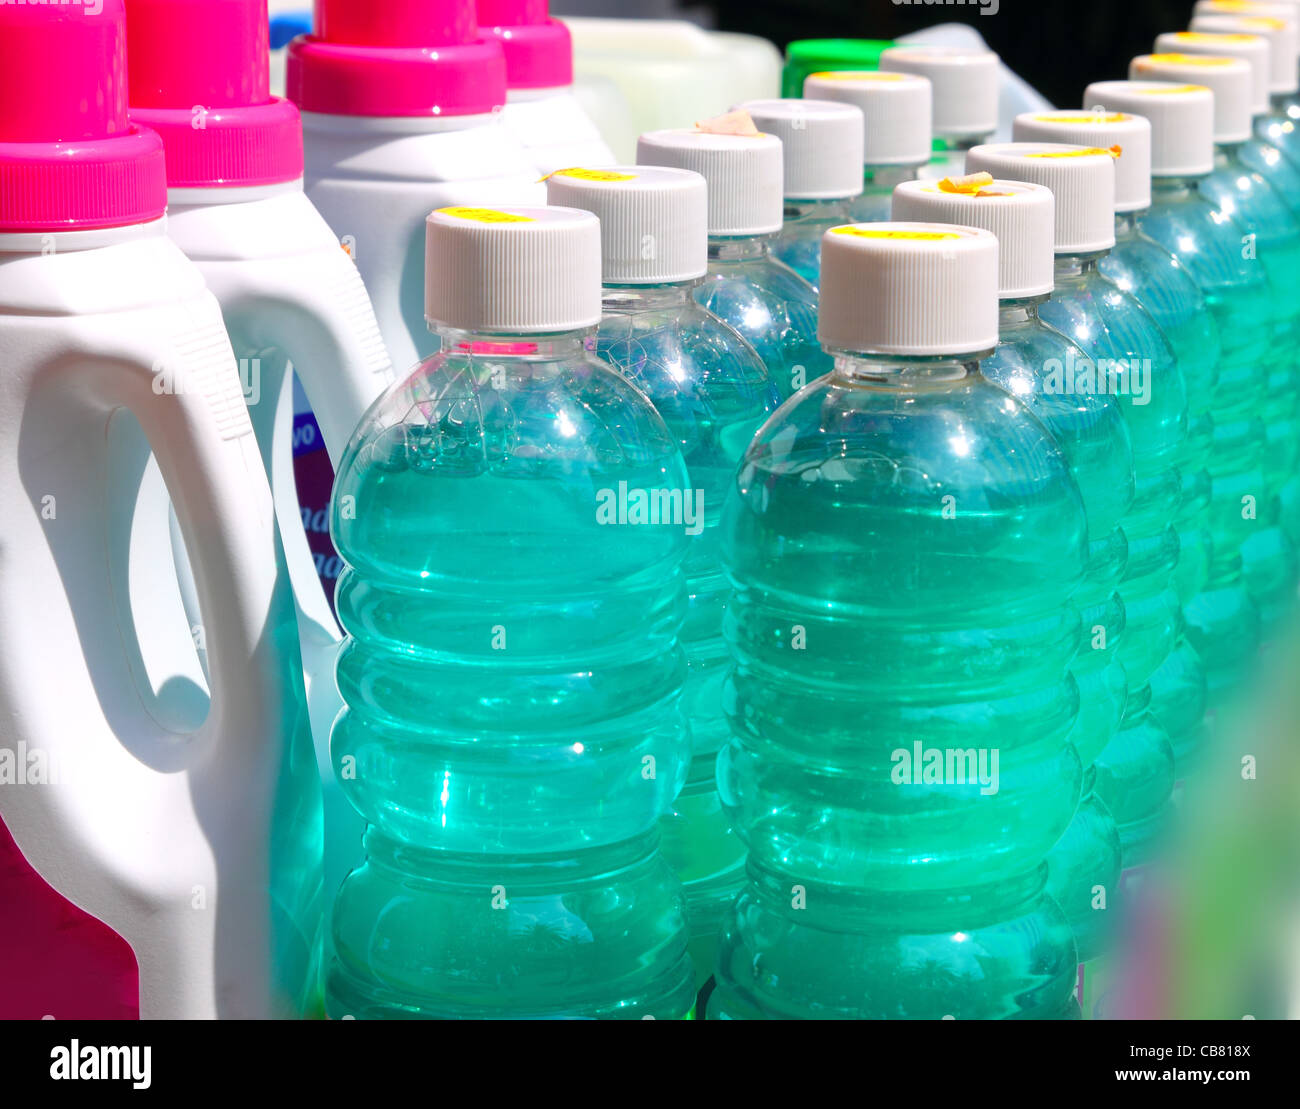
[[806, 56]]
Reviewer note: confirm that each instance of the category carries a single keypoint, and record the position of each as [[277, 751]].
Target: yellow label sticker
[[590, 174], [876, 233], [970, 185], [1203, 36], [858, 75], [1085, 152], [1206, 60], [1087, 117], [1176, 90], [485, 215], [1265, 22]]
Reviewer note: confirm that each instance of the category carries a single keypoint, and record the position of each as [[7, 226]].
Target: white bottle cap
[[1019, 214], [965, 81], [743, 172], [1124, 132], [1277, 9], [1181, 116], [1283, 39], [1228, 78], [821, 145], [653, 220], [896, 111], [1081, 178], [512, 270], [909, 289], [1251, 49]]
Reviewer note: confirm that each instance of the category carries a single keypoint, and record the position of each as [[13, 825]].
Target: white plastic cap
[[1251, 49], [896, 110], [909, 289], [965, 81], [1081, 179], [1283, 40], [1228, 78], [512, 270], [743, 172], [1277, 9], [821, 145], [1019, 214], [653, 220], [1181, 116], [1129, 134]]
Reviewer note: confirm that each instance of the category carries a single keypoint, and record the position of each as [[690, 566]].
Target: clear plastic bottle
[[965, 83], [903, 540], [713, 392], [1265, 216], [1133, 361], [821, 152], [512, 676], [1222, 621], [766, 301], [1092, 435], [1153, 275], [896, 110]]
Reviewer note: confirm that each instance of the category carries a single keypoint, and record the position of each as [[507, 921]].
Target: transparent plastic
[[1222, 621], [713, 392], [875, 203], [1263, 205], [770, 305], [1092, 435], [1116, 332], [1162, 285], [512, 728], [1279, 127], [799, 242], [949, 157], [903, 541]]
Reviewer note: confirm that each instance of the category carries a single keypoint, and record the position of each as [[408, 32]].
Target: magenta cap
[[70, 159], [200, 77], [396, 58], [539, 49]]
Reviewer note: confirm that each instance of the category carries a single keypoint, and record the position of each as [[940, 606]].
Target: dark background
[[1058, 46]]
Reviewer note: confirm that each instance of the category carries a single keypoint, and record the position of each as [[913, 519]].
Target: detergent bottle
[[162, 852]]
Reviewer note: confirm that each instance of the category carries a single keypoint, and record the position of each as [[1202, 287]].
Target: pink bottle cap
[[396, 58], [70, 159], [200, 78], [539, 49]]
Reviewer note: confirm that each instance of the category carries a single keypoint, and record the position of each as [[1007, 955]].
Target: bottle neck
[[885, 178], [1014, 311], [1181, 187], [738, 248], [904, 372], [1126, 225], [835, 208], [1078, 265], [961, 144], [530, 349], [668, 296], [1226, 153]]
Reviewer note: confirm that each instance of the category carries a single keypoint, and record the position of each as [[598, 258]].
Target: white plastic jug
[[290, 294], [181, 810], [394, 128]]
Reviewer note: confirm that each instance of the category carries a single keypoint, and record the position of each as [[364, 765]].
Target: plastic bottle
[[1130, 359], [541, 110], [713, 392], [964, 102], [1261, 210], [866, 509], [1155, 277], [162, 852], [1222, 621], [821, 151], [766, 301], [512, 677], [1092, 435], [400, 107], [896, 144], [804, 57], [291, 297]]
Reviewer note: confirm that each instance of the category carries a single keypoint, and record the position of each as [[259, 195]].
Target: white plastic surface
[[554, 129], [160, 823]]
